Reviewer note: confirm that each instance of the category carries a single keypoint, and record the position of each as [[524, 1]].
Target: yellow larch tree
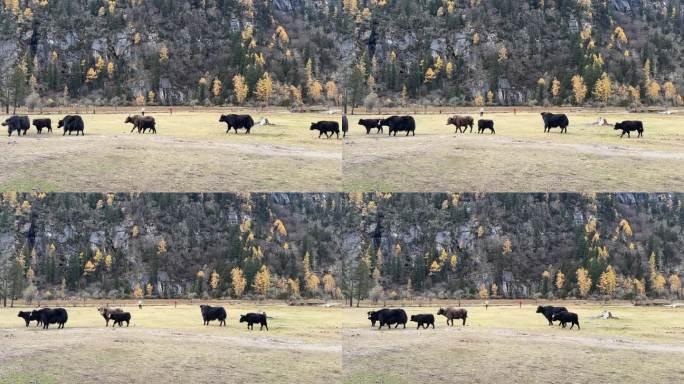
[[555, 88], [293, 285], [214, 280], [560, 280], [329, 283], [583, 282], [238, 281], [579, 88], [603, 89], [262, 281], [312, 283], [608, 282], [216, 88], [264, 88], [138, 292], [240, 88]]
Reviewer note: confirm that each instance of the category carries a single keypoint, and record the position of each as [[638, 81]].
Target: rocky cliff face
[[397, 43], [509, 240]]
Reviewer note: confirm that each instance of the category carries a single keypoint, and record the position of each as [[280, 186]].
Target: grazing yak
[[72, 123], [453, 313], [555, 121], [345, 125], [142, 123], [238, 122], [54, 316], [462, 123], [17, 123], [485, 124], [400, 124], [41, 124], [565, 317], [424, 321], [630, 126], [330, 128], [370, 124], [254, 318], [549, 310], [392, 316], [107, 313], [210, 314]]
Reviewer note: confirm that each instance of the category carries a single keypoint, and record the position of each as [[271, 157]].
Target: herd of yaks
[[46, 316], [388, 317], [74, 123], [384, 317]]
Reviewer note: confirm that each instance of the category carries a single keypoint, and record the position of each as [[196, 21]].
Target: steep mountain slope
[[437, 51], [428, 244]]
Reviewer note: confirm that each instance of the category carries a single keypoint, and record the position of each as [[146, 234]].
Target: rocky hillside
[[374, 245], [397, 51]]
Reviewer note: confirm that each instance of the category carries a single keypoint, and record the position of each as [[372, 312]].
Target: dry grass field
[[192, 153], [503, 343], [170, 345], [520, 157], [516, 345]]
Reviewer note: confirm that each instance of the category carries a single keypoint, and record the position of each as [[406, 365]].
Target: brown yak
[[142, 123], [453, 313], [462, 123], [107, 313]]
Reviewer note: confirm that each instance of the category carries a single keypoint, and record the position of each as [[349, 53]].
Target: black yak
[[549, 310], [630, 126], [453, 313], [26, 316], [41, 124], [34, 315], [555, 121], [118, 317], [373, 317], [238, 122], [461, 123], [72, 123], [370, 124], [400, 124], [142, 123], [210, 314], [37, 315], [255, 318], [329, 128], [54, 316], [565, 317], [392, 316], [17, 123], [424, 321], [485, 124], [107, 313]]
